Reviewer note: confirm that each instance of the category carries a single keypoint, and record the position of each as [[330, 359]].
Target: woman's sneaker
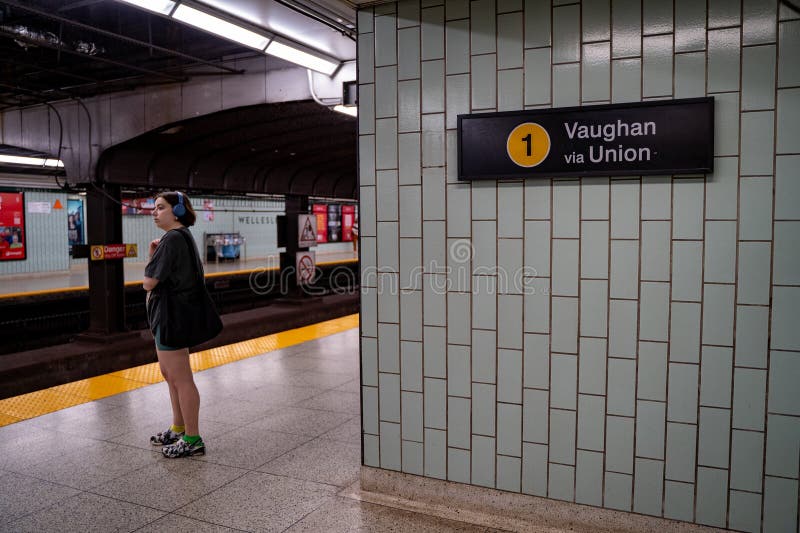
[[165, 438], [184, 449]]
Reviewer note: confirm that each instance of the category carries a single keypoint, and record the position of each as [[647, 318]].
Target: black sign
[[663, 137]]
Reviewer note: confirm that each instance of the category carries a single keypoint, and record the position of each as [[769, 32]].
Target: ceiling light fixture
[[292, 53], [30, 161], [162, 7], [197, 16], [346, 109], [223, 28]]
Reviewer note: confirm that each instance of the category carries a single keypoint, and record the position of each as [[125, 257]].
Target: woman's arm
[[149, 283]]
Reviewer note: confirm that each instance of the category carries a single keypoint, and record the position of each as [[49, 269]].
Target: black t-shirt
[[171, 265]]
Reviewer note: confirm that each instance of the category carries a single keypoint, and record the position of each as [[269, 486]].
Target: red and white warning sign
[[306, 265], [306, 231]]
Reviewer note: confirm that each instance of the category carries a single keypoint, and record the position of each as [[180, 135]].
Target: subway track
[[34, 320]]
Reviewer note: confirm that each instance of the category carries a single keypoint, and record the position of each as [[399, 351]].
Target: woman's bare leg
[[182, 391]]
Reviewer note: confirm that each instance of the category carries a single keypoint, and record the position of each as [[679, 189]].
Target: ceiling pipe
[[96, 58], [17, 5], [350, 33]]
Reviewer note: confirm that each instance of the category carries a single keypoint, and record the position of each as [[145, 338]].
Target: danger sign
[[100, 252], [306, 230], [305, 264]]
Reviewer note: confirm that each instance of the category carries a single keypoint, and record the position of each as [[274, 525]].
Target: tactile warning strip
[[60, 397]]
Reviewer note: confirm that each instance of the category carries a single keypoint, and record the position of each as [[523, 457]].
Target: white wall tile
[[722, 189], [687, 270], [564, 334], [754, 273], [458, 210], [509, 207], [510, 90], [720, 252], [433, 142], [594, 249], [622, 328], [484, 68], [385, 40], [655, 250], [685, 332], [565, 267], [537, 76], [457, 46], [755, 207], [410, 158], [752, 332], [433, 86], [688, 201], [654, 311], [566, 208], [537, 199], [408, 98], [432, 33], [595, 199], [433, 194], [718, 310], [594, 308], [408, 51], [624, 209], [509, 40], [624, 277]]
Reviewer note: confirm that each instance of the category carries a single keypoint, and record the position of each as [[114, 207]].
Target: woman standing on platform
[[172, 268]]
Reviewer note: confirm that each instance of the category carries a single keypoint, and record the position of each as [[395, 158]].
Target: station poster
[[12, 226], [138, 206], [348, 219], [321, 210], [75, 233], [334, 223]]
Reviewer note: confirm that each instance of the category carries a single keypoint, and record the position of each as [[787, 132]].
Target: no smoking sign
[[306, 265]]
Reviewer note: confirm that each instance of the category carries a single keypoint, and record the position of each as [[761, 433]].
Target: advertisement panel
[[334, 222], [12, 226], [75, 222], [321, 210], [348, 219], [138, 206]]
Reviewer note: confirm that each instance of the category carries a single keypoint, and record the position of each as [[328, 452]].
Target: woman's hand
[[153, 246]]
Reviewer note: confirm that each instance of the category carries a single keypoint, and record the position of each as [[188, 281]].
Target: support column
[[295, 205], [106, 278]]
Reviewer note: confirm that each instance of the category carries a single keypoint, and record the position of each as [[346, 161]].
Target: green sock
[[192, 439], [177, 429]]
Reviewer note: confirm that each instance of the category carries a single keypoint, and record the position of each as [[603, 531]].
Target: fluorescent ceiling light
[[304, 59], [30, 161], [162, 7], [347, 110], [218, 26]]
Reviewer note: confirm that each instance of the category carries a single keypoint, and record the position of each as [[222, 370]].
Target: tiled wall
[[651, 360], [47, 248], [254, 219]]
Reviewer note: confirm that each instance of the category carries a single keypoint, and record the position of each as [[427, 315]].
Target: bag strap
[[198, 269]]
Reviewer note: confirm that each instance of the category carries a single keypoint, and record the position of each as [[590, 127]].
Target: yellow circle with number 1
[[528, 144]]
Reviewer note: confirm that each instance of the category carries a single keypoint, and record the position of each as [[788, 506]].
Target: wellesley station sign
[[663, 137]]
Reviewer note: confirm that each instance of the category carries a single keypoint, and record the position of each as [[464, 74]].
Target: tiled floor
[[282, 431]]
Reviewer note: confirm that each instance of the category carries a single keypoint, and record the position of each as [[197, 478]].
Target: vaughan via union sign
[[663, 137]]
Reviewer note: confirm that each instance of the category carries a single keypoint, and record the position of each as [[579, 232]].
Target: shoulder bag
[[189, 318]]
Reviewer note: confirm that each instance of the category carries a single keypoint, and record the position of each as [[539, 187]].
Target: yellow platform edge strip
[[45, 401]]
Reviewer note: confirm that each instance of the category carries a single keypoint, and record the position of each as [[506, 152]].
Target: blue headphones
[[179, 209]]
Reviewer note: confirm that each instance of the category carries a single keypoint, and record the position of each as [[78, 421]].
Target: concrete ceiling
[[280, 148], [53, 50]]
